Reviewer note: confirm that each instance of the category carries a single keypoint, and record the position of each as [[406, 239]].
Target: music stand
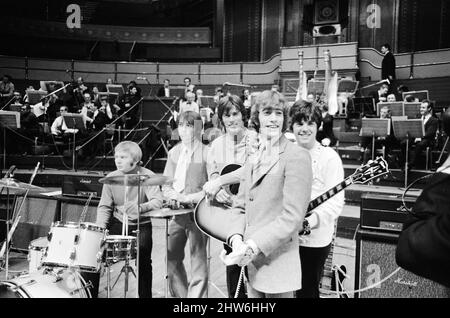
[[112, 97], [348, 86], [74, 121], [34, 96], [316, 87], [363, 105], [114, 88], [406, 129], [207, 101], [411, 109], [420, 95], [16, 107], [396, 108], [375, 127], [8, 119]]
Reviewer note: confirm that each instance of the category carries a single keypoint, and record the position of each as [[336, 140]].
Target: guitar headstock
[[373, 169]]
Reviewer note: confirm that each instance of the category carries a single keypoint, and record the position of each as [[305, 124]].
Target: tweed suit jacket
[[270, 211]]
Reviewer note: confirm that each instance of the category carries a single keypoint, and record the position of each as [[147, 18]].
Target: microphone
[[141, 78], [10, 171]]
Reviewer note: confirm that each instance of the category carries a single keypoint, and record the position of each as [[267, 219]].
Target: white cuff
[[253, 246], [313, 220]]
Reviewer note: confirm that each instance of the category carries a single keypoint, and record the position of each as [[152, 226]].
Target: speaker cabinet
[[37, 215], [375, 262], [82, 185], [327, 30], [326, 12], [72, 208]]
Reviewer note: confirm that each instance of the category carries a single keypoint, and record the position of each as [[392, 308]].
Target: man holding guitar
[[231, 148], [319, 226], [270, 207]]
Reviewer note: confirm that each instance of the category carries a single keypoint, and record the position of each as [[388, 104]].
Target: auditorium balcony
[[41, 30]]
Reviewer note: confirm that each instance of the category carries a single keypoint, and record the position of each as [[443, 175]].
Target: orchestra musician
[[131, 97]]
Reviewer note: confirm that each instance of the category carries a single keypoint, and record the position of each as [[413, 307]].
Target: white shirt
[[327, 172], [59, 123], [193, 106], [425, 119], [182, 166], [224, 151], [166, 91]]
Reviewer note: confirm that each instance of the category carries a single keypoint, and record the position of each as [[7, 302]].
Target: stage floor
[[344, 254]]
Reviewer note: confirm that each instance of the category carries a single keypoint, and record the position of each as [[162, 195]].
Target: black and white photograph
[[227, 155]]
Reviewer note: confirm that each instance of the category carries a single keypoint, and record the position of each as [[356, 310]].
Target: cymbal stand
[[138, 242]]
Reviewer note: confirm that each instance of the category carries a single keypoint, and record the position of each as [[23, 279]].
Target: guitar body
[[213, 219]]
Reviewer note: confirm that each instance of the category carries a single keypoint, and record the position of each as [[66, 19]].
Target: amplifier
[[377, 275], [82, 186], [384, 212]]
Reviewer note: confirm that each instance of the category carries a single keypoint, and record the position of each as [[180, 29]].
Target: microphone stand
[[74, 147], [9, 102], [442, 151]]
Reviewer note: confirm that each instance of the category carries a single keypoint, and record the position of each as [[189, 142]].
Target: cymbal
[[16, 184], [133, 180], [166, 213]]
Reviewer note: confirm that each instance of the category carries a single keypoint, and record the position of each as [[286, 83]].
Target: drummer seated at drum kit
[[115, 203]]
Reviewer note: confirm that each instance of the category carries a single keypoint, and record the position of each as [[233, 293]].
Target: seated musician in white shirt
[[59, 127]]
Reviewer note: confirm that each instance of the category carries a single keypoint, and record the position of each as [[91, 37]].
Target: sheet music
[[412, 110], [207, 101], [395, 107], [380, 126], [74, 121], [412, 128], [9, 119]]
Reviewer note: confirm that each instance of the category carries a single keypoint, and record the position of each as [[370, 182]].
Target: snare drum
[[75, 245], [42, 284], [120, 248], [36, 251]]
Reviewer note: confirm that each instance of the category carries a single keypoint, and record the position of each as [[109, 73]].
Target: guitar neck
[[329, 194]]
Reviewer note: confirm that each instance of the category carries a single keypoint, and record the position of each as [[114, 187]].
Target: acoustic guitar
[[212, 217]]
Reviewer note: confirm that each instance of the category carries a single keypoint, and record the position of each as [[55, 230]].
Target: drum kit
[[55, 261]]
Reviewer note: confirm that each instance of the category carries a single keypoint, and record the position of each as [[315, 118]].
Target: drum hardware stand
[[127, 268]]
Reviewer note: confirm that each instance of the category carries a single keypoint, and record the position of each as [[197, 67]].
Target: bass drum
[[43, 284]]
